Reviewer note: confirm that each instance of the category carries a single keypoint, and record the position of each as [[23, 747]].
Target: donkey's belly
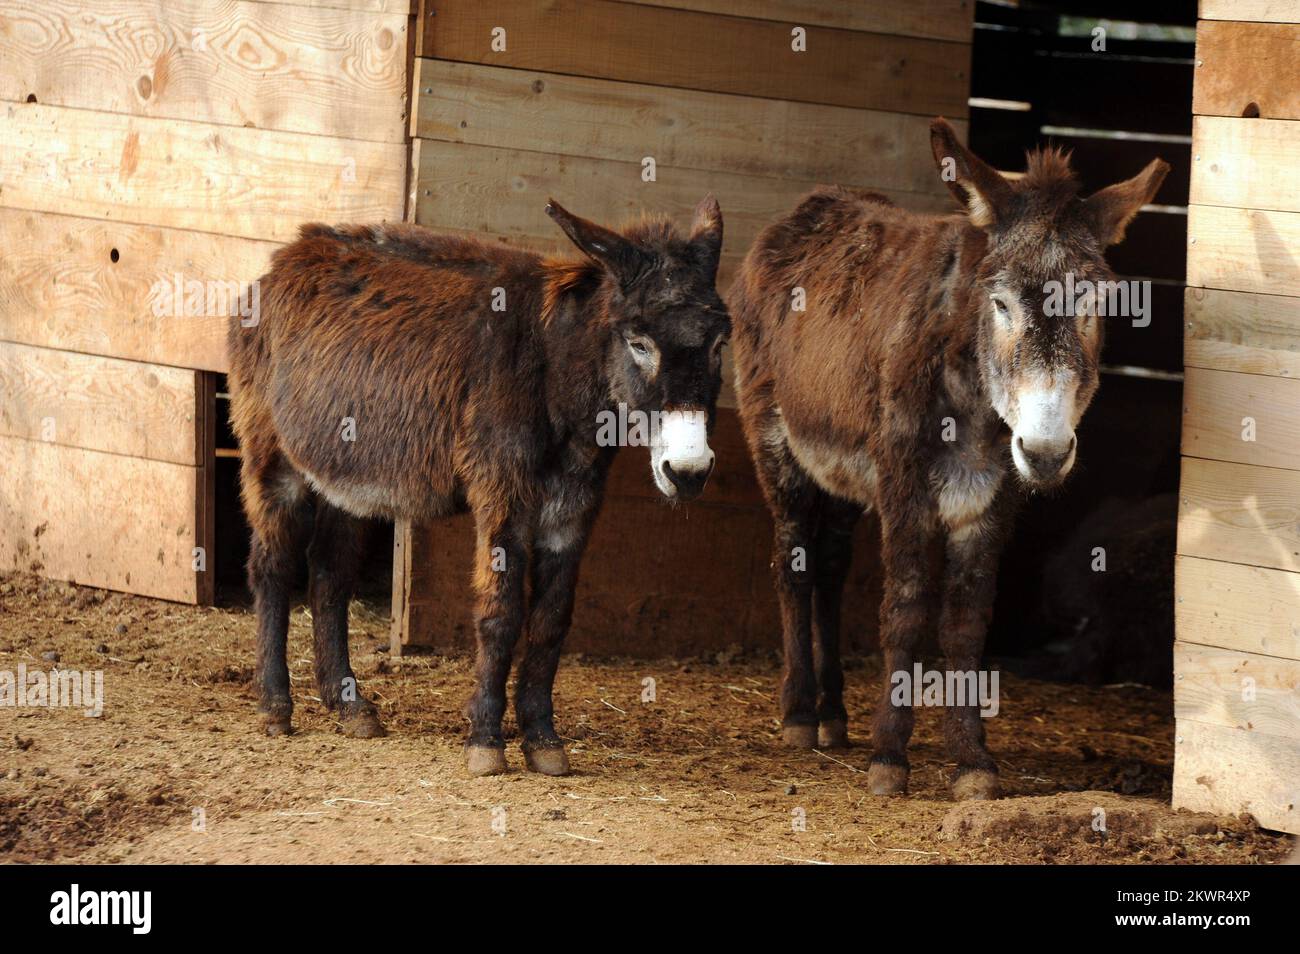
[[844, 472]]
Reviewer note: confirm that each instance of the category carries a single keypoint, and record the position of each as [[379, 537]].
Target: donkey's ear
[[623, 259], [1113, 208], [977, 185], [706, 233]]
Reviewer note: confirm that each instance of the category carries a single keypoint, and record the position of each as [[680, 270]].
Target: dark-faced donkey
[[396, 373], [921, 365]]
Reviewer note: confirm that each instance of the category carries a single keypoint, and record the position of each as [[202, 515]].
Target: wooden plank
[[62, 287], [1239, 513], [103, 520], [254, 183], [576, 116], [682, 48], [1246, 608], [1246, 163], [365, 6], [104, 404], [1237, 331], [1244, 250], [1240, 69], [1229, 771], [328, 72], [503, 193], [937, 19], [1237, 690], [1274, 11], [1246, 418]]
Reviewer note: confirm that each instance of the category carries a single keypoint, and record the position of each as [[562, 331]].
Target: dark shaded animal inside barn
[[930, 378], [398, 373]]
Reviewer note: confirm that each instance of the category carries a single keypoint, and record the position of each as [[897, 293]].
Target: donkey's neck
[[962, 380], [574, 340]]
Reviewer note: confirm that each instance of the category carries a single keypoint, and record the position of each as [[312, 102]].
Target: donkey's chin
[[661, 479]]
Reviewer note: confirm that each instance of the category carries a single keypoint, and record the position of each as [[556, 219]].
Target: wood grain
[[1229, 771], [937, 19], [682, 48], [249, 182], [1277, 11], [1246, 418], [61, 288], [1237, 690], [1239, 513], [328, 72], [1250, 609], [1246, 163], [1242, 69], [103, 520], [104, 404], [1238, 331], [684, 129], [1244, 250]]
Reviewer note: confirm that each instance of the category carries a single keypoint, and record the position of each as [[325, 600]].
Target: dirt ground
[[176, 771]]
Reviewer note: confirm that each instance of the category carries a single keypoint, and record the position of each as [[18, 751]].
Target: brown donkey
[[398, 373], [925, 366]]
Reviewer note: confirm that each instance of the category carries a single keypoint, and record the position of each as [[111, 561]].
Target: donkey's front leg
[[500, 560], [907, 531], [969, 587]]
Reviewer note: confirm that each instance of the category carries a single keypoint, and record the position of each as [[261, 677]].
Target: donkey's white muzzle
[[680, 457]]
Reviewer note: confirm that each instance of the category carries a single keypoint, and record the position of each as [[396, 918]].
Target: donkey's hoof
[[832, 735], [362, 724], [277, 722], [979, 785], [485, 760], [547, 761], [883, 779], [799, 736]]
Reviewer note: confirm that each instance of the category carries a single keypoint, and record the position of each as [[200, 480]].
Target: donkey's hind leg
[[275, 501], [834, 551], [334, 557]]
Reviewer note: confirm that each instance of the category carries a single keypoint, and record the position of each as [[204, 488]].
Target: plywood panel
[[368, 6], [1239, 513], [1244, 250], [1242, 69], [1229, 771], [249, 182], [577, 116], [105, 404], [1237, 690], [1247, 418], [1247, 608], [669, 47], [1278, 11], [1246, 163], [1238, 331], [61, 287], [104, 520], [503, 192], [323, 71], [940, 19]]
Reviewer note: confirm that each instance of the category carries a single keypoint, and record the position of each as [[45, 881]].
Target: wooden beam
[[104, 520], [1229, 771], [104, 404], [328, 72], [1246, 163], [1240, 69], [1239, 513], [1237, 690], [1246, 418], [1249, 609], [1244, 250], [253, 183], [86, 285], [681, 129], [1273, 11], [683, 48], [937, 19], [1237, 331]]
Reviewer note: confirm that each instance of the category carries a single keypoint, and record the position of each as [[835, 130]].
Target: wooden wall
[[142, 140], [583, 92], [1237, 659]]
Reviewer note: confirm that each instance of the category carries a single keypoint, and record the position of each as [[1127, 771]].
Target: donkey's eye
[[639, 347], [1000, 307]]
